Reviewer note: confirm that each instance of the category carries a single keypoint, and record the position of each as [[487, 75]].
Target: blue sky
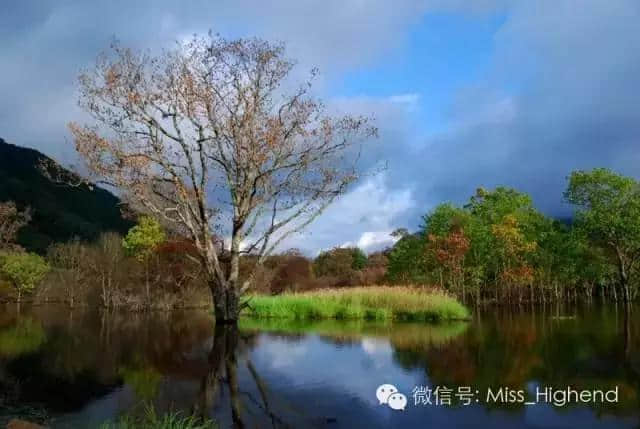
[[442, 53], [465, 93]]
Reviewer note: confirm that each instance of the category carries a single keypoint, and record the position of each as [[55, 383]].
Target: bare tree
[[11, 221], [70, 260], [205, 136], [105, 262]]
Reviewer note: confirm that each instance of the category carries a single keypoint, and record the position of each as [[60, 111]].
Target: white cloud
[[410, 101], [45, 45], [364, 216], [559, 92], [371, 241], [283, 355]]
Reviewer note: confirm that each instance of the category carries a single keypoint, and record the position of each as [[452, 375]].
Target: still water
[[80, 368]]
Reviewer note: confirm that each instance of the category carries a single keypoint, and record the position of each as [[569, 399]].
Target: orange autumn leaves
[[513, 250], [450, 251]]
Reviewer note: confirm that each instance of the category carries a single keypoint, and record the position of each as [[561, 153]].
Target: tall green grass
[[366, 303]]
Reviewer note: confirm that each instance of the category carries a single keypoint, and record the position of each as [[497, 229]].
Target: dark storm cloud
[[561, 91], [46, 43], [562, 94]]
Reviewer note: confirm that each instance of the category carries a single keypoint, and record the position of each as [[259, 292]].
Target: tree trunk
[[146, 278], [19, 300], [627, 330], [226, 304], [627, 294], [624, 285], [531, 292], [624, 276], [464, 292], [226, 295]]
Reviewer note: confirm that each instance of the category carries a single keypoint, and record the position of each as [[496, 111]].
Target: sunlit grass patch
[[367, 303]]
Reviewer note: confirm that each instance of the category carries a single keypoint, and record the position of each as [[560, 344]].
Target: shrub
[[23, 270], [141, 242], [144, 238]]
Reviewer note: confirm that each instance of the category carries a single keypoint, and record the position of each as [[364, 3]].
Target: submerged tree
[[609, 213], [105, 263], [205, 137], [513, 249], [450, 251], [23, 270], [141, 242], [71, 262]]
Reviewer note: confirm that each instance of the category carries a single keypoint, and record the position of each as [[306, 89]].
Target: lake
[[504, 369]]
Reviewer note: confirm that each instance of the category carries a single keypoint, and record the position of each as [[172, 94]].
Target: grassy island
[[366, 303]]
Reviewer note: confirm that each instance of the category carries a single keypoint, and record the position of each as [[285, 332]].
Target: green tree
[[339, 261], [359, 258], [447, 243], [492, 206], [406, 260], [443, 219], [608, 210], [514, 250], [23, 270], [498, 244], [141, 241]]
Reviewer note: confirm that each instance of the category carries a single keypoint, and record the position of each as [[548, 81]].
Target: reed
[[381, 303], [151, 420]]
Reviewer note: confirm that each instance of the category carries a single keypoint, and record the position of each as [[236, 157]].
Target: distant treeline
[[499, 247], [495, 248]]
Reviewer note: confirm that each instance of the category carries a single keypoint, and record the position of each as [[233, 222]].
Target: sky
[[464, 93]]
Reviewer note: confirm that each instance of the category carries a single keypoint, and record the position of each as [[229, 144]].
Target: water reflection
[[24, 336], [223, 369], [82, 368]]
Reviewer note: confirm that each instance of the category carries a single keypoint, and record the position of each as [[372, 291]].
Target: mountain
[[59, 212]]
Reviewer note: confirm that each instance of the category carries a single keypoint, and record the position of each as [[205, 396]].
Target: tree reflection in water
[[264, 373], [228, 343]]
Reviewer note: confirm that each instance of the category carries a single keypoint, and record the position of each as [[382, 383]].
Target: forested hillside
[[59, 212]]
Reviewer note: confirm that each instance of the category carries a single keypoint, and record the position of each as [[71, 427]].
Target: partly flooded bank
[[78, 369]]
